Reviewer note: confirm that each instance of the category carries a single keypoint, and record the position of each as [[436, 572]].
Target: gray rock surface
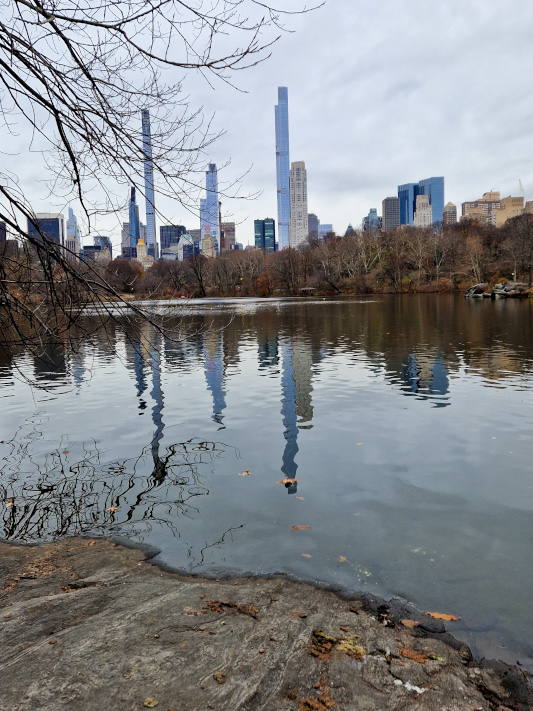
[[510, 289], [93, 625]]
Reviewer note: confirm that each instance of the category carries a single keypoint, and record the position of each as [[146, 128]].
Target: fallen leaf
[[91, 543], [65, 451], [53, 641], [301, 498], [10, 502], [151, 703], [344, 628], [300, 528], [441, 616], [287, 481], [305, 555], [415, 656], [341, 559], [112, 508], [245, 473], [410, 623], [219, 677]]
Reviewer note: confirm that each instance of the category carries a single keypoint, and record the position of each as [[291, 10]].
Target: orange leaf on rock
[[91, 543], [410, 623], [415, 656], [245, 473], [300, 528], [441, 616], [287, 481]]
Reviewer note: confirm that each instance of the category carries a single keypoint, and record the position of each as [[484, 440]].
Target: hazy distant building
[[350, 232], [127, 250], [105, 243], [227, 236], [449, 214], [208, 243], [265, 235], [73, 238], [3, 233], [324, 230], [423, 213], [283, 166], [407, 194], [312, 224], [390, 214], [52, 225], [298, 224], [187, 247], [372, 222], [146, 260], [209, 210], [170, 235]]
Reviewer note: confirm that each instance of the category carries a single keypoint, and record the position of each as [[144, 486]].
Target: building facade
[[312, 224], [73, 239], [170, 235], [324, 230], [3, 233], [209, 209], [449, 214], [283, 166], [227, 236], [265, 235], [51, 225], [298, 224], [423, 213], [151, 243], [372, 222], [391, 214], [484, 209], [407, 194], [105, 243]]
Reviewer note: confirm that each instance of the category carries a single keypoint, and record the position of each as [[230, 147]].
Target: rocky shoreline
[[505, 290], [92, 624]]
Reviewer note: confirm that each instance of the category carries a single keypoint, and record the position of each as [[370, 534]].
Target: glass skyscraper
[[209, 207], [283, 167], [265, 235], [407, 194]]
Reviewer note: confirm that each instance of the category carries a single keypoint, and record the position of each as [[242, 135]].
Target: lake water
[[405, 420]]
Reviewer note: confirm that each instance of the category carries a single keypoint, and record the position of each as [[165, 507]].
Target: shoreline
[[94, 623]]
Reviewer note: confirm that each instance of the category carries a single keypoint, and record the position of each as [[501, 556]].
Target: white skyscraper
[[149, 186], [298, 225], [424, 212]]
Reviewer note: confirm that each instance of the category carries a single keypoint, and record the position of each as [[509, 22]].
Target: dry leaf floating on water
[[300, 528], [287, 481], [245, 473], [305, 555], [441, 616], [341, 559]]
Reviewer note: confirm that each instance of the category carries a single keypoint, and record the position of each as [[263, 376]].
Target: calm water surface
[[406, 421]]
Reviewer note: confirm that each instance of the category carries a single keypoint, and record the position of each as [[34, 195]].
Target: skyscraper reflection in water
[[214, 373], [296, 407]]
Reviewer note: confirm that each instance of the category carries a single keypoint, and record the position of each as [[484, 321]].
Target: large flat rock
[[93, 625]]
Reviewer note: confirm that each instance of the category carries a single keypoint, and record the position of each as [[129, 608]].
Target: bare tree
[[74, 78]]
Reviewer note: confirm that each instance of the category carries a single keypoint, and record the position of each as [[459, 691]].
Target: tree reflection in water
[[48, 496]]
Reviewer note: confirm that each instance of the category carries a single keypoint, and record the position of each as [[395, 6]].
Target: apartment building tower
[[298, 223]]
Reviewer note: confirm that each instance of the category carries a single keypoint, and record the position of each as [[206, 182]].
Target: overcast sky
[[380, 93]]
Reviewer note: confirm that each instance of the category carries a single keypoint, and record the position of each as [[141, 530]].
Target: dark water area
[[406, 421]]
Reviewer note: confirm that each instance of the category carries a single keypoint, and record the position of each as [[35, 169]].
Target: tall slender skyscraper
[[149, 185], [283, 167], [209, 208], [298, 224], [134, 223]]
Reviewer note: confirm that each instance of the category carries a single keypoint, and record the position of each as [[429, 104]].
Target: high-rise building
[[105, 243], [312, 224], [372, 222], [227, 236], [208, 244], [170, 235], [350, 232], [134, 223], [187, 247], [391, 213], [209, 208], [423, 213], [3, 233], [151, 243], [324, 230], [52, 225], [511, 207], [434, 189], [283, 166], [298, 224], [407, 194], [265, 235], [449, 214]]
